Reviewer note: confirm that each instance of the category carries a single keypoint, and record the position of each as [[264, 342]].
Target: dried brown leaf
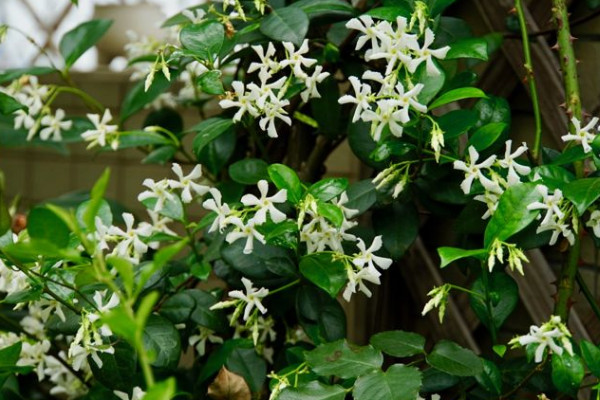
[[229, 386]]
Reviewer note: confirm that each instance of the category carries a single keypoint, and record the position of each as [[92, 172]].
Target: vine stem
[[568, 64], [530, 78]]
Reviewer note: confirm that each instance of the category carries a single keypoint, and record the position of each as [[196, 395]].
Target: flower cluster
[[495, 175], [266, 100], [37, 115], [363, 267], [552, 335], [516, 256], [390, 106], [557, 218], [583, 136]]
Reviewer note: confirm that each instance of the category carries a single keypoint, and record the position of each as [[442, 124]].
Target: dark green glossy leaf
[[399, 382], [204, 39], [249, 171], [161, 155], [325, 8], [9, 105], [43, 224], [216, 153], [582, 193], [452, 359], [210, 82], [457, 122], [390, 13], [469, 48], [490, 378], [324, 271], [137, 97], [511, 215], [502, 293], [194, 305], [208, 130], [331, 212], [457, 94], [328, 188], [314, 390], [450, 254], [289, 24], [399, 225], [567, 372], [286, 178], [321, 316], [487, 135], [118, 369], [591, 355], [399, 343], [343, 360], [79, 39], [249, 365], [361, 196]]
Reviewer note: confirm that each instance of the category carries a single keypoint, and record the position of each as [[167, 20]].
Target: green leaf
[[362, 144], [440, 5], [328, 188], [361, 196], [288, 24], [457, 94], [450, 254], [492, 109], [249, 365], [325, 8], [313, 390], [194, 305], [390, 13], [511, 215], [490, 378], [320, 315], [457, 122], [43, 224], [9, 105], [79, 39], [343, 360], [326, 110], [286, 178], [591, 355], [172, 208], [582, 193], [138, 97], [210, 82], [399, 225], [487, 135], [432, 84], [567, 372], [96, 200], [161, 339], [208, 130], [125, 270], [502, 293], [214, 155], [249, 171], [204, 39], [399, 382], [468, 48], [122, 324], [161, 155], [452, 359], [399, 343], [324, 271], [15, 73], [118, 369], [9, 356], [164, 390], [331, 212]]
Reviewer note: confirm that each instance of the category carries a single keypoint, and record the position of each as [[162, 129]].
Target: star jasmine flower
[[195, 16], [199, 340], [157, 190], [103, 133], [392, 51], [552, 335], [102, 308], [364, 24], [386, 114], [266, 91], [473, 171], [363, 97], [491, 201], [550, 202], [221, 209], [594, 222], [582, 135], [265, 203], [557, 229], [366, 256], [409, 99], [274, 109], [251, 297], [130, 245], [311, 83], [424, 53], [514, 169], [341, 203], [295, 59], [267, 62], [186, 183], [137, 394], [245, 102], [358, 279], [54, 125], [24, 120], [247, 231], [388, 82]]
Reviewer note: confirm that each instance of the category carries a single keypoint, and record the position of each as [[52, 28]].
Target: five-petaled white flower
[[424, 53], [366, 256], [247, 231], [186, 182], [265, 203], [473, 171], [251, 297], [54, 125], [594, 222], [514, 169], [582, 135], [103, 133], [547, 336], [157, 190], [361, 99], [218, 207]]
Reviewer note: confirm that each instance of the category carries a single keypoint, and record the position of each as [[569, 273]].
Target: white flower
[[364, 24], [157, 190], [424, 53], [102, 308], [204, 335], [514, 169], [130, 245], [409, 99], [245, 102], [54, 125], [473, 171], [272, 110], [103, 133], [311, 82], [267, 62], [551, 203], [358, 278], [295, 59], [137, 394], [195, 16], [265, 204], [186, 183], [363, 95], [247, 231], [252, 297], [221, 209], [546, 336], [366, 256], [594, 222], [582, 135], [491, 201], [386, 114]]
